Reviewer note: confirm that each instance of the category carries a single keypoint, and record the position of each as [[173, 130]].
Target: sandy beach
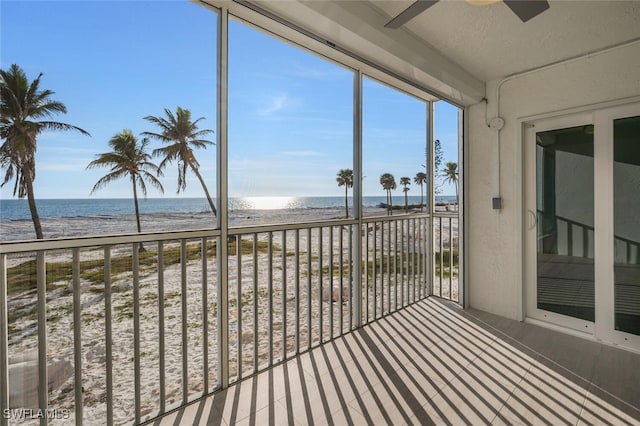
[[316, 285]]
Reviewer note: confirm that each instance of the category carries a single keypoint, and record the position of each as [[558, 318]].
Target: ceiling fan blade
[[409, 13], [527, 9]]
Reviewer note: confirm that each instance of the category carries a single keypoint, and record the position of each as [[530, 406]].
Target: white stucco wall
[[495, 238]]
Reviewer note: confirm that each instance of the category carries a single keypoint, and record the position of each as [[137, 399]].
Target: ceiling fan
[[525, 9]]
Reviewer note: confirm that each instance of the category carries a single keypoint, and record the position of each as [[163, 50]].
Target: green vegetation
[[388, 183], [450, 174], [129, 159], [22, 277], [405, 182], [345, 178], [181, 136], [25, 110], [421, 179]]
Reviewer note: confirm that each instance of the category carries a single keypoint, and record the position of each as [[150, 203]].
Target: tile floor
[[433, 363]]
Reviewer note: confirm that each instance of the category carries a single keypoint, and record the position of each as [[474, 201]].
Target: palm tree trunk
[[135, 201], [421, 197], [32, 206], [206, 191], [406, 202], [346, 199]]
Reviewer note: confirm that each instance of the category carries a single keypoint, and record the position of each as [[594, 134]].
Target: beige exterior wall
[[495, 237]]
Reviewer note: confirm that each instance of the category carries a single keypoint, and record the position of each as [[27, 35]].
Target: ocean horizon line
[[18, 209]]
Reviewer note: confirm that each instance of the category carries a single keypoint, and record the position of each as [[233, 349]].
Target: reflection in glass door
[[626, 206], [565, 221]]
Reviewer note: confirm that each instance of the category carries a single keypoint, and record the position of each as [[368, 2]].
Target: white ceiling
[[454, 48], [491, 42]]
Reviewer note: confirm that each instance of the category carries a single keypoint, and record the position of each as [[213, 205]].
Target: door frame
[[604, 267], [601, 116], [531, 309]]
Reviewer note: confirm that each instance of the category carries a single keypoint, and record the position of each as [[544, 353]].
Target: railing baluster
[[77, 336], [423, 256], [569, 239], [331, 283], [205, 317], [309, 273], [4, 341], [320, 306], [255, 302], [395, 265], [284, 295], [185, 341], [388, 268], [450, 258], [341, 280], [375, 271], [366, 275], [161, 324], [297, 278], [108, 335], [585, 242], [403, 272], [350, 274], [270, 285], [239, 305], [136, 328], [41, 277], [441, 253], [410, 262], [416, 261]]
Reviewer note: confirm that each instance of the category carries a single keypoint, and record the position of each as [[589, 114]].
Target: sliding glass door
[[582, 225]]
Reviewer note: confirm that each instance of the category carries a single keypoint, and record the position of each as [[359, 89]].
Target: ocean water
[[18, 209]]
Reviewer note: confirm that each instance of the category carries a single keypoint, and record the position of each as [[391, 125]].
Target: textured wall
[[495, 238]]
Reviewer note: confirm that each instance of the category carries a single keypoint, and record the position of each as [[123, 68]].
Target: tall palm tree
[[345, 178], [421, 179], [183, 136], [450, 174], [129, 158], [24, 108], [405, 182], [388, 183]]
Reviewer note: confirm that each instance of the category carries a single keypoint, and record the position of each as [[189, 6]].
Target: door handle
[[533, 219]]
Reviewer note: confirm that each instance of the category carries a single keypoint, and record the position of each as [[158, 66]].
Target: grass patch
[[23, 277]]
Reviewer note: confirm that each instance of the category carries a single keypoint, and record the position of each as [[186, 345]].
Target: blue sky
[[290, 112]]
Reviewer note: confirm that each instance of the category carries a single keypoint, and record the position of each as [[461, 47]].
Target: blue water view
[[18, 209]]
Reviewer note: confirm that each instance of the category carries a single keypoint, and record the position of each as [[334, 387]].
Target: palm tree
[[421, 179], [405, 182], [450, 174], [388, 183], [128, 159], [183, 136], [24, 108], [345, 178]]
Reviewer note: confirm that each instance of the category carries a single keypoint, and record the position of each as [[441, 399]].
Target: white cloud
[[281, 102], [302, 153], [276, 104]]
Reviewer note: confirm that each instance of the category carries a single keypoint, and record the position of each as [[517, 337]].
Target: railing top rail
[[446, 214], [257, 229], [105, 240], [22, 246]]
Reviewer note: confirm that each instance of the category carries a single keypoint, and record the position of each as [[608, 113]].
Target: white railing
[[125, 328]]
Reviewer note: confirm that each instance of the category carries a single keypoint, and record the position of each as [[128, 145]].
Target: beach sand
[[302, 289]]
